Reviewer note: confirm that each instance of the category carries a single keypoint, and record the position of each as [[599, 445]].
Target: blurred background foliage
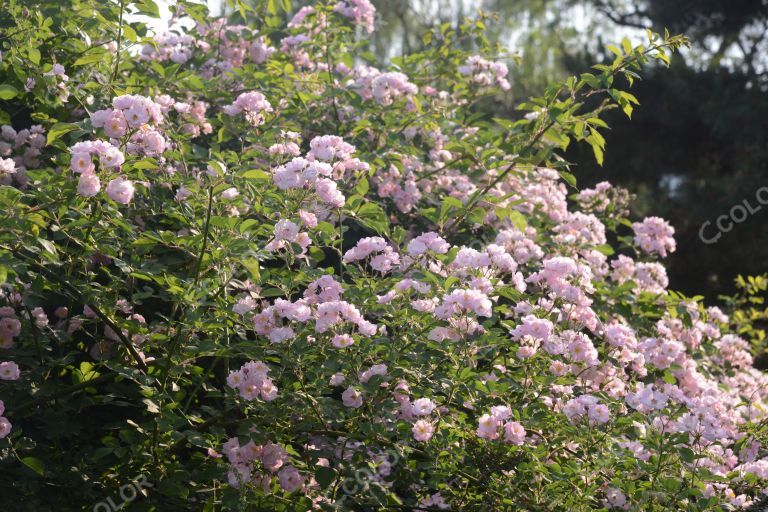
[[696, 147]]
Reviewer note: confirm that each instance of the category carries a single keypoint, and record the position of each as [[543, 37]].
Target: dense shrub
[[246, 270]]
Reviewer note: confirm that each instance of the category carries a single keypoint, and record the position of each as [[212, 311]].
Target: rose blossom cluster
[[119, 189], [429, 242], [648, 276], [128, 113], [7, 170], [19, 151], [383, 87], [418, 411], [401, 187], [384, 257], [352, 397], [329, 159], [605, 198], [256, 464], [498, 422], [362, 12], [5, 425], [286, 233], [655, 236], [252, 381], [586, 405], [322, 303], [190, 114], [253, 104], [222, 45], [486, 73], [10, 328]]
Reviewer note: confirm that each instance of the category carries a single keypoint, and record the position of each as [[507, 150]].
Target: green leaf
[[598, 151], [448, 203], [148, 8], [568, 177], [626, 45], [362, 187], [8, 92], [686, 454], [374, 217], [152, 407], [605, 249], [518, 220], [252, 265], [324, 476], [90, 58], [34, 464], [129, 33], [58, 130], [34, 55], [255, 174], [49, 248]]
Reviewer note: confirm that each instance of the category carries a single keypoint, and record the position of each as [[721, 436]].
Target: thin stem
[[119, 40], [206, 229]]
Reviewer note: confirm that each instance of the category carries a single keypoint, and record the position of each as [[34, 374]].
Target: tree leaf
[[34, 464], [325, 476], [8, 92], [58, 130], [90, 58]]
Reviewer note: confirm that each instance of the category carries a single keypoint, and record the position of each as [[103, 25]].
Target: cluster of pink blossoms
[[287, 232], [119, 189], [580, 229], [7, 170], [321, 303], [255, 464], [383, 87], [384, 256], [328, 159], [429, 242], [173, 47], [417, 411], [10, 328], [333, 313], [227, 47], [499, 419], [252, 381], [604, 198], [486, 73], [655, 235], [254, 104], [648, 276], [129, 112], [361, 11], [401, 187], [19, 151], [586, 405], [190, 114]]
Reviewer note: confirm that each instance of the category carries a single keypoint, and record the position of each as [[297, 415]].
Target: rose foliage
[[245, 264]]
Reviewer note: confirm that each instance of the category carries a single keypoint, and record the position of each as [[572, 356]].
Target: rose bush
[[245, 264]]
